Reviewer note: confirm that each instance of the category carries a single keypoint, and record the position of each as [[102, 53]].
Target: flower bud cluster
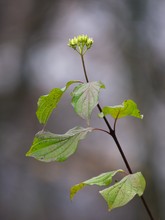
[[81, 43]]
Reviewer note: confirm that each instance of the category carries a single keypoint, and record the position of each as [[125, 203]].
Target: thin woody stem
[[114, 127], [84, 69], [112, 133], [99, 129]]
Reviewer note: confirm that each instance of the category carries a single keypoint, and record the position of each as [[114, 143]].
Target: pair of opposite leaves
[[84, 99]]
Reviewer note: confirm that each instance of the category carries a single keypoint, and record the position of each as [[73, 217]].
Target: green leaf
[[103, 179], [54, 147], [128, 108], [122, 192], [85, 98], [47, 103]]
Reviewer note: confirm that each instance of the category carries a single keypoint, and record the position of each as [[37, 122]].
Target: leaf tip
[[71, 196], [28, 154], [72, 192], [102, 86], [74, 189], [101, 115]]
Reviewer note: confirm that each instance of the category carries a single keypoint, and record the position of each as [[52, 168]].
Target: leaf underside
[[128, 108], [85, 98], [54, 147], [124, 191]]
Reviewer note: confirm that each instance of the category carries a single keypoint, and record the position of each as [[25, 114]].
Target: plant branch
[[84, 69], [114, 127], [147, 208], [112, 133], [99, 129]]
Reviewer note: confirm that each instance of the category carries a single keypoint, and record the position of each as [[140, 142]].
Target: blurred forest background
[[128, 55]]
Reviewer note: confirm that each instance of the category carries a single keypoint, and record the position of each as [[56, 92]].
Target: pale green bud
[[81, 43]]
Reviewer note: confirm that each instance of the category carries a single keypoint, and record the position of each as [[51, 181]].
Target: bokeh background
[[128, 55]]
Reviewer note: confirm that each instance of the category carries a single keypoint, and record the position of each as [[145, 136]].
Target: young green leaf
[[85, 98], [122, 192], [103, 179], [128, 108], [47, 103], [54, 147]]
